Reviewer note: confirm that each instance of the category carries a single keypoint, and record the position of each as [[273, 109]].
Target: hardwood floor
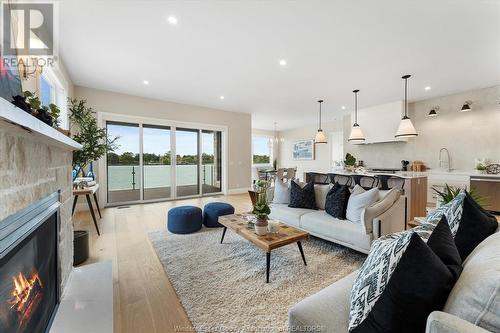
[[144, 299]]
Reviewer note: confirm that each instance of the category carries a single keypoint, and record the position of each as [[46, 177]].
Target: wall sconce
[[433, 111], [466, 107]]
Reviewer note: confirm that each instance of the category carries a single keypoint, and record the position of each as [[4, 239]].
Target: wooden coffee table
[[285, 236]]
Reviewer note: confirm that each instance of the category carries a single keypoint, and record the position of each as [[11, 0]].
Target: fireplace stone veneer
[[31, 169]]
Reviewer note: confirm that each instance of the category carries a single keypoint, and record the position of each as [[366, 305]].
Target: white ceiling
[[232, 48]]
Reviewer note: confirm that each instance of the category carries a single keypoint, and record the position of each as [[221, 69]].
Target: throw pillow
[[336, 201], [281, 192], [359, 201], [320, 192], [475, 226], [302, 197], [452, 210], [382, 300], [386, 200]]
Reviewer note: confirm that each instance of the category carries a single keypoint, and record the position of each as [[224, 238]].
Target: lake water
[[120, 177]]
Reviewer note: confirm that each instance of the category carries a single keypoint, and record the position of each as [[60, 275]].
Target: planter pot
[[80, 246], [261, 226]]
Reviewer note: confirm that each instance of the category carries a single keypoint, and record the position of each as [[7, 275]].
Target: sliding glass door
[[211, 161], [186, 169], [161, 162], [123, 167], [157, 162]]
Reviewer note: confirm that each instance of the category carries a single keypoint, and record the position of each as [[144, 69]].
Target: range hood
[[380, 122]]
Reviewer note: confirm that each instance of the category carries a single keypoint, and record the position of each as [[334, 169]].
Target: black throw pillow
[[336, 201], [419, 284], [475, 226], [442, 244], [302, 197]]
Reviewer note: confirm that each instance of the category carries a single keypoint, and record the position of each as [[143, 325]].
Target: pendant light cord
[[406, 77], [320, 101], [355, 106]]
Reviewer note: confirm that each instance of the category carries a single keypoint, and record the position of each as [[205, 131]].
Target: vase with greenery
[[350, 162], [450, 192], [261, 209], [481, 167], [94, 139]]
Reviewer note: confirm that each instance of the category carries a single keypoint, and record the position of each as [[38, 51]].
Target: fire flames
[[25, 293]]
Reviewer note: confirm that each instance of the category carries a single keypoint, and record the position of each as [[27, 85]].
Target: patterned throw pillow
[[336, 201], [453, 212], [382, 300], [302, 197]]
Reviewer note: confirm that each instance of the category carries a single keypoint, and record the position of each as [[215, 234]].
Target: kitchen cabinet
[[415, 190], [440, 180]]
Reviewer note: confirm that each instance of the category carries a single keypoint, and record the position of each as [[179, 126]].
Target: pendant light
[[356, 132], [277, 139], [406, 128], [320, 135], [466, 107]]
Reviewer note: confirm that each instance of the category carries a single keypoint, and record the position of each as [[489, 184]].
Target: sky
[[157, 141]]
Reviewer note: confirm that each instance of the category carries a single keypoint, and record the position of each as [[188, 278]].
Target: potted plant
[[261, 208], [94, 139], [450, 192], [481, 168], [95, 143], [350, 162]]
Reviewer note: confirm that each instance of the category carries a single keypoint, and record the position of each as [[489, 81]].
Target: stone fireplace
[[36, 164]]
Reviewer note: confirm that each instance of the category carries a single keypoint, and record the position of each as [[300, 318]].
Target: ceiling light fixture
[[427, 88], [356, 132], [406, 128], [433, 111], [277, 139], [172, 20], [466, 107], [221, 97], [282, 62], [320, 135], [343, 107], [146, 82]]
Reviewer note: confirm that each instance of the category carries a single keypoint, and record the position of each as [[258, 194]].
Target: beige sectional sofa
[[473, 305], [384, 217]]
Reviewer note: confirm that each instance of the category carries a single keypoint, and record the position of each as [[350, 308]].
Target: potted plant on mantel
[[261, 208]]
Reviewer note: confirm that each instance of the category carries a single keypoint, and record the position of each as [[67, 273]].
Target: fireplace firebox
[[29, 276]]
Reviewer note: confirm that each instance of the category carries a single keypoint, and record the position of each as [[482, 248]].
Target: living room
[[250, 166]]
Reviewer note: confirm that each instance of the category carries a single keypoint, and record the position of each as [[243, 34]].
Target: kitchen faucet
[[448, 160]]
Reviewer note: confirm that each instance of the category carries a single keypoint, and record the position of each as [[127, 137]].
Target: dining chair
[[290, 173]]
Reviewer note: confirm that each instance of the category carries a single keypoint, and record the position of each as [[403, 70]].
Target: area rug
[[222, 286]]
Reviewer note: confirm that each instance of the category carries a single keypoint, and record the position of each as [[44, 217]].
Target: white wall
[[238, 124], [466, 135]]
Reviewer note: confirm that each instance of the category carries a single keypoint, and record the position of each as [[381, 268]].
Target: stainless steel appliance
[[489, 188]]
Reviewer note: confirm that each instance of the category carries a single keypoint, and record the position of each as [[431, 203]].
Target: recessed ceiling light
[[172, 20], [343, 107], [146, 82], [283, 62], [221, 97], [427, 88]]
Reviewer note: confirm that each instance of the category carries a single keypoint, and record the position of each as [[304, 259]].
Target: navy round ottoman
[[213, 210], [184, 219]]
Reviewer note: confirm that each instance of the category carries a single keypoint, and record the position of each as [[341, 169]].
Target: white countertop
[[415, 174]]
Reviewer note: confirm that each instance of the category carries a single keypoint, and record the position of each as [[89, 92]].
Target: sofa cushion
[[302, 197], [287, 214], [476, 295], [336, 201], [382, 300], [328, 309], [378, 208], [358, 201], [475, 225], [320, 192], [281, 192], [320, 223]]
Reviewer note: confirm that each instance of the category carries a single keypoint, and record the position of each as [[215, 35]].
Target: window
[[51, 91], [262, 149]]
